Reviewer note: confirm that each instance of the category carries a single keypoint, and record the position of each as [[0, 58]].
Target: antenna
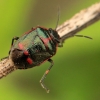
[[83, 36], [58, 15]]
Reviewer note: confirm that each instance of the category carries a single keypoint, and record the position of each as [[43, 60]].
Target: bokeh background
[[76, 72]]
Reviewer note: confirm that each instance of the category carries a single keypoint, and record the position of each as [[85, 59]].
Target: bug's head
[[54, 35]]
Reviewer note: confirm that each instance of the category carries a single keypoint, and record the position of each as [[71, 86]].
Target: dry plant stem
[[70, 27], [80, 21], [6, 67]]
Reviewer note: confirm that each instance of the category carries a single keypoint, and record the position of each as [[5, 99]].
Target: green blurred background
[[76, 73]]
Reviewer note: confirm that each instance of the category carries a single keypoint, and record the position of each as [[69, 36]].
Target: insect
[[35, 47]]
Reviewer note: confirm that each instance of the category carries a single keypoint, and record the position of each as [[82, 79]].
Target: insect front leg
[[45, 74]]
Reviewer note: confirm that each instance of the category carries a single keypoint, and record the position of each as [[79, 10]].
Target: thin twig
[[70, 27], [6, 67], [79, 21]]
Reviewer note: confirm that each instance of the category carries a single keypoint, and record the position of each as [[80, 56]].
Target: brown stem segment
[[6, 67], [79, 21]]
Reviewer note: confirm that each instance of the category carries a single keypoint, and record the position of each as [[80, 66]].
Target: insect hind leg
[[45, 74]]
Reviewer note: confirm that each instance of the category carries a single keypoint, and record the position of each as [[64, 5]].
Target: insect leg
[[4, 58], [60, 44], [15, 38], [45, 74]]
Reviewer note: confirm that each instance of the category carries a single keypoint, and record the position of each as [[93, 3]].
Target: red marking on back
[[21, 46], [29, 60], [46, 40], [26, 53]]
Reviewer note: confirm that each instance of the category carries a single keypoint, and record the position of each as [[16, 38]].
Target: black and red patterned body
[[34, 47]]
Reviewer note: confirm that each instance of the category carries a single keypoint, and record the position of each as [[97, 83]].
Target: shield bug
[[35, 47]]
